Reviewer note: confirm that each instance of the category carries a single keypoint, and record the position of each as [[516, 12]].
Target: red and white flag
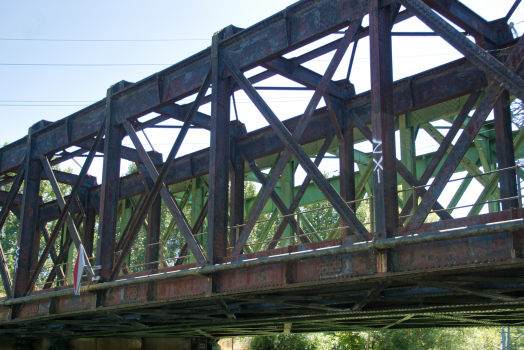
[[79, 269]]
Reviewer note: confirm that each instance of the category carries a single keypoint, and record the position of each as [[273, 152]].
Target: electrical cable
[[99, 40], [85, 64], [169, 64]]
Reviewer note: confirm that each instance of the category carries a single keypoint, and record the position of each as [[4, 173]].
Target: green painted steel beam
[[466, 163], [460, 192], [267, 227], [492, 186]]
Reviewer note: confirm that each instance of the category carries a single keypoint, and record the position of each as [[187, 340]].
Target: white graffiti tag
[[378, 163]]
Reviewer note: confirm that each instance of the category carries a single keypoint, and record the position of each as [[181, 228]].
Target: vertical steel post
[[64, 249], [109, 192], [383, 122], [161, 254], [237, 193], [506, 338], [519, 186], [125, 217], [69, 259], [287, 181], [415, 199], [407, 153], [218, 157], [197, 204], [153, 220], [505, 151], [25, 260], [371, 214], [346, 154], [298, 227], [88, 236], [36, 247]]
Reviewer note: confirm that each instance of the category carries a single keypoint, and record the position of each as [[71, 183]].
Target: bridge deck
[[464, 282]]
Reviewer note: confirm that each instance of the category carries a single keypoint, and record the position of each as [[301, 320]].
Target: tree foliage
[[312, 341], [396, 339], [517, 110]]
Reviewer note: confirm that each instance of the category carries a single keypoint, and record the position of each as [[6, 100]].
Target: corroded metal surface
[[381, 274]]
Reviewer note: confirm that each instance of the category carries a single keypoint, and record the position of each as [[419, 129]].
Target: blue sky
[[28, 92]]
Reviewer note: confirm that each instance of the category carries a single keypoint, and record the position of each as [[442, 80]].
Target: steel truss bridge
[[259, 265]]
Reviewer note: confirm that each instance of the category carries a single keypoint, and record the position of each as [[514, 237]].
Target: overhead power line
[[169, 64], [43, 105], [3, 101], [30, 103], [99, 40], [85, 64]]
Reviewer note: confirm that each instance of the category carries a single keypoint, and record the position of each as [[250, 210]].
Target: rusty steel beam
[[70, 179], [125, 152], [211, 275], [512, 10], [467, 136], [108, 216], [225, 309], [346, 154], [64, 251], [469, 291], [62, 217], [88, 236], [444, 145], [219, 155], [279, 203], [183, 79], [160, 188], [4, 213], [141, 211], [178, 112], [424, 89], [293, 147], [383, 122], [45, 233], [28, 234], [290, 141], [386, 243], [505, 76], [467, 19], [61, 202], [402, 170], [405, 318], [54, 256], [302, 75], [153, 219], [370, 295], [61, 177], [63, 156], [196, 227], [292, 69], [505, 151], [201, 120], [128, 229], [237, 191], [301, 191]]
